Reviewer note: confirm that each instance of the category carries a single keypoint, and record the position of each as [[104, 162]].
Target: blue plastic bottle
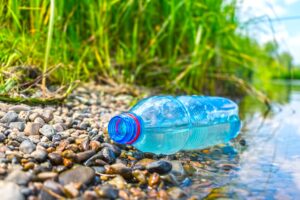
[[167, 124]]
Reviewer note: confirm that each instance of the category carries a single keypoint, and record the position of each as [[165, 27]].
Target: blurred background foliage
[[191, 46]]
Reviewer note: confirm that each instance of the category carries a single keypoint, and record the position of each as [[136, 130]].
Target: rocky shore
[[63, 151]]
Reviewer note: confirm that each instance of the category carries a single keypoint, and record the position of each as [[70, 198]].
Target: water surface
[[264, 161]]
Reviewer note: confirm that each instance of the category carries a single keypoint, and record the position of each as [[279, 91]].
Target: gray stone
[[19, 108], [19, 177], [161, 167], [47, 115], [47, 130], [2, 137], [10, 116], [9, 191], [79, 174], [27, 146], [17, 125], [32, 128], [177, 168], [40, 155], [50, 186]]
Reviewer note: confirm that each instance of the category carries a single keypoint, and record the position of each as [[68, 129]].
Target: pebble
[[71, 190], [55, 158], [27, 146], [47, 130], [140, 176], [2, 137], [10, 116], [19, 108], [161, 167], [119, 168], [47, 115], [10, 191], [118, 181], [51, 191], [108, 155], [47, 175], [153, 179], [107, 191], [17, 125], [32, 128], [79, 174], [83, 156], [176, 193], [177, 168], [19, 177], [39, 155]]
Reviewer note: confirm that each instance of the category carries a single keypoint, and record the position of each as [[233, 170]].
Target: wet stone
[[108, 155], [114, 148], [47, 175], [119, 168], [176, 193], [10, 116], [79, 174], [153, 179], [55, 158], [17, 125], [10, 190], [27, 146], [107, 191], [161, 167], [47, 130], [118, 181], [83, 156]]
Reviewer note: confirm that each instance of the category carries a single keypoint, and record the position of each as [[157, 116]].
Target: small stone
[[19, 108], [177, 168], [55, 158], [114, 148], [95, 145], [154, 179], [79, 174], [10, 116], [27, 166], [69, 154], [47, 175], [140, 176], [163, 195], [9, 191], [2, 137], [39, 120], [120, 169], [47, 130], [107, 191], [144, 162], [71, 190], [32, 128], [108, 155], [90, 195], [68, 162], [17, 125], [58, 127], [51, 191], [161, 167], [118, 181], [243, 142], [47, 115], [27, 146], [83, 156], [39, 155], [19, 177], [176, 193]]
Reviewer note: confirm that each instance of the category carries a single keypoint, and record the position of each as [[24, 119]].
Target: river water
[[264, 161]]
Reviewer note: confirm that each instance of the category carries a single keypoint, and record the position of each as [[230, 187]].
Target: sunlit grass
[[173, 44]]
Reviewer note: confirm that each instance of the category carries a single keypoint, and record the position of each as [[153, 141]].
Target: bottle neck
[[124, 128]]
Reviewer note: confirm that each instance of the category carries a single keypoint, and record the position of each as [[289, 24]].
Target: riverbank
[[63, 151]]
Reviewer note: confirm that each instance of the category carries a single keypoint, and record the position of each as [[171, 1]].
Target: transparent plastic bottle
[[167, 124]]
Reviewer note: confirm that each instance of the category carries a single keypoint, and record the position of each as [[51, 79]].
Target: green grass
[[183, 45]]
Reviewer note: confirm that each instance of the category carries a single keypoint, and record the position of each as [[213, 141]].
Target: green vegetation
[[185, 45]]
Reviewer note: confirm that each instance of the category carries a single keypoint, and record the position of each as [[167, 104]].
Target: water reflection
[[267, 167]]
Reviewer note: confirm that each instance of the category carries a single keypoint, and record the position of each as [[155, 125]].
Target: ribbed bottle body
[[169, 124]]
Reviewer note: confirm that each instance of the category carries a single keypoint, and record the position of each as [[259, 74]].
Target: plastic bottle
[[167, 124]]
